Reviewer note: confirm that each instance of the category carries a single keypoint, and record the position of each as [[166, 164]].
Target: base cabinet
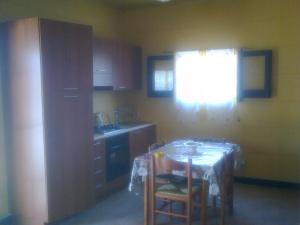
[[139, 141], [99, 167]]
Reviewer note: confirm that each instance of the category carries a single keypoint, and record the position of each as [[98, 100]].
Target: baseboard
[[7, 220], [265, 182]]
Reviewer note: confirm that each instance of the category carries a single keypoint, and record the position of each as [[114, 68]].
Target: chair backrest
[[163, 164], [155, 146]]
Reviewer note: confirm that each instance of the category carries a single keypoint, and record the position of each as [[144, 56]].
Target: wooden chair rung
[[171, 214]]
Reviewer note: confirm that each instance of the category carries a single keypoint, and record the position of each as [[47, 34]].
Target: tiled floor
[[253, 205]]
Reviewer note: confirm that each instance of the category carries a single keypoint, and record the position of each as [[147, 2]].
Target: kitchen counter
[[125, 128]]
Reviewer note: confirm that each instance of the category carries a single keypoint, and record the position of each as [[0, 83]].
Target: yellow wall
[[268, 130], [91, 12]]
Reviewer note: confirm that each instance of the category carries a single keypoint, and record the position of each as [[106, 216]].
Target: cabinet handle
[[98, 172], [122, 87], [70, 89], [98, 158], [99, 186], [101, 70], [116, 146], [71, 96], [97, 143]]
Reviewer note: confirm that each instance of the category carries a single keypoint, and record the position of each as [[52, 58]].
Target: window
[[206, 77], [160, 75], [163, 80]]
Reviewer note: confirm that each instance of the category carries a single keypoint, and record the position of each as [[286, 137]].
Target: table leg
[[204, 202], [146, 200], [223, 205], [230, 188]]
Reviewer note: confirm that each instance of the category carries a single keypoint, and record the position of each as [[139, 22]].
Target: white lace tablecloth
[[206, 155]]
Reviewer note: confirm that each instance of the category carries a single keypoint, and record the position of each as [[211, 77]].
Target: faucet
[[116, 118]]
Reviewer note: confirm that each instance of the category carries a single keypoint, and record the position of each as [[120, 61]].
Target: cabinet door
[[67, 89], [102, 63], [127, 72], [140, 140]]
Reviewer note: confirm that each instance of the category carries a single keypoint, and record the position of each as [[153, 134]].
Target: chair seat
[[175, 189]]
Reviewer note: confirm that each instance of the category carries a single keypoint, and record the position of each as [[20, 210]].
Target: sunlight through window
[[206, 77]]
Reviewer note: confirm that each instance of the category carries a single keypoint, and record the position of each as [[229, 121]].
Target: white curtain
[[206, 78]]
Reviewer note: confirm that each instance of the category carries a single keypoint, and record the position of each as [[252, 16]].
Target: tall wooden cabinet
[[49, 87]]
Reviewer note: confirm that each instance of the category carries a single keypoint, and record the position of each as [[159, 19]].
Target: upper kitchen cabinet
[[103, 63], [49, 89], [117, 65]]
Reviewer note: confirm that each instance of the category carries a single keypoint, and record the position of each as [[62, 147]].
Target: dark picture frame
[[151, 60], [266, 91]]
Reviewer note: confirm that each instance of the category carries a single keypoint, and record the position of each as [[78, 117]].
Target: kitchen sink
[[107, 129]]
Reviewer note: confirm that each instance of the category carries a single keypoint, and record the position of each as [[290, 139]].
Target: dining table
[[213, 161]]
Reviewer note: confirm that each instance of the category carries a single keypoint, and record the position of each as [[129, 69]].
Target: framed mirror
[[160, 76], [255, 74]]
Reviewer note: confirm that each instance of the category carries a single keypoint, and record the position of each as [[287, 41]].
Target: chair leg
[[183, 209], [223, 205], [204, 202], [214, 202], [146, 201], [153, 214], [153, 209], [189, 213], [170, 210]]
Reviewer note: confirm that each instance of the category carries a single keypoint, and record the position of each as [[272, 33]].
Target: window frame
[[150, 76], [266, 92]]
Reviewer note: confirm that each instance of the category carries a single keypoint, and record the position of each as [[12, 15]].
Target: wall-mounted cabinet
[[117, 65], [103, 63]]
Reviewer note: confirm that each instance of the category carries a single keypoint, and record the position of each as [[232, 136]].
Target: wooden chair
[[155, 146], [169, 193], [226, 181]]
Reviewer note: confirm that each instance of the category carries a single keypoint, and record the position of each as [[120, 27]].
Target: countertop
[[125, 128]]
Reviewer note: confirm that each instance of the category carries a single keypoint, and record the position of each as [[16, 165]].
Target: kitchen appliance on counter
[[103, 124], [122, 115]]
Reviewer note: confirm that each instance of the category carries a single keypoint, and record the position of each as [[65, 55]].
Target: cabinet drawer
[[99, 149], [99, 164], [100, 190], [99, 181], [99, 177]]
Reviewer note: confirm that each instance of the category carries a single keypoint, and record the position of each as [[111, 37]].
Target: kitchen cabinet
[[103, 63], [49, 89], [117, 65], [118, 150], [140, 140], [127, 67], [99, 167]]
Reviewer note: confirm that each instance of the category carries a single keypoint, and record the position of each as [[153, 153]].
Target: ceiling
[[136, 3]]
